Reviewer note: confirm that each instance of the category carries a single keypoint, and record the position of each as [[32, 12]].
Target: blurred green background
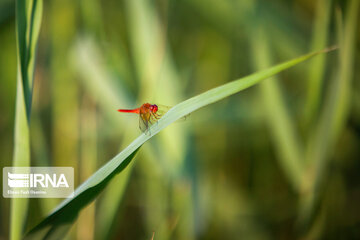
[[277, 161]]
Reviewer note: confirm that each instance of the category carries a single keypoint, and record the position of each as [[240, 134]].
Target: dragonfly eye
[[154, 108]]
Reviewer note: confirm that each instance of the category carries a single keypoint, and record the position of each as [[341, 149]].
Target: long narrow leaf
[[28, 20], [332, 119], [284, 133], [67, 211], [316, 71]]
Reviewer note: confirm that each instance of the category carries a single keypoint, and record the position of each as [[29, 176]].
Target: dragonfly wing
[[143, 124], [162, 109]]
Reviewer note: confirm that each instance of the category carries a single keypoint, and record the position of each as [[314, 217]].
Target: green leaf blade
[[86, 192], [26, 40]]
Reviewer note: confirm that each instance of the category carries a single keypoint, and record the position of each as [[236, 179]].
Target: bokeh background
[[280, 160]]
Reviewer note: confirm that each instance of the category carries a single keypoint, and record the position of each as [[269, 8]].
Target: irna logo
[[16, 180], [38, 182]]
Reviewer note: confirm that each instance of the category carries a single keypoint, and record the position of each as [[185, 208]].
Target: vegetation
[[278, 160]]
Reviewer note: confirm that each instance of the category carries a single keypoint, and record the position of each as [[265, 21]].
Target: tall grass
[[282, 127], [332, 119], [316, 72], [28, 20], [276, 161]]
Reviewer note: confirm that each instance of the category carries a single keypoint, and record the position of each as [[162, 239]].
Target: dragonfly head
[[154, 108]]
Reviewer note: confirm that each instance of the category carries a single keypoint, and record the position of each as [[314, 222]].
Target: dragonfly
[[148, 114]]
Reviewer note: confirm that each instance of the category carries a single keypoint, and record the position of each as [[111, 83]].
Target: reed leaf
[[67, 211]]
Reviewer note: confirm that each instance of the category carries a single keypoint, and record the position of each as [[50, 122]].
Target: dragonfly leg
[[157, 117], [154, 115]]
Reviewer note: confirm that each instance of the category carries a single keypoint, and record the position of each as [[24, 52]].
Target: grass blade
[[280, 124], [28, 19], [67, 211], [316, 71], [332, 119]]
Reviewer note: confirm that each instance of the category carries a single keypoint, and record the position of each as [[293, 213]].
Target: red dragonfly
[[148, 114]]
